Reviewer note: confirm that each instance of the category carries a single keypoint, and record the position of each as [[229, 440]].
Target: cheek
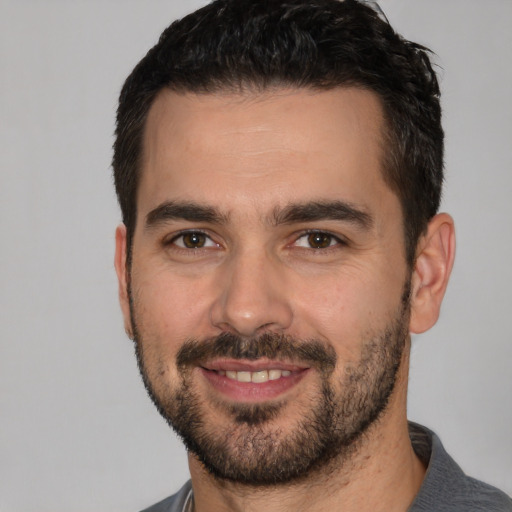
[[335, 313], [169, 309], [345, 308], [166, 313]]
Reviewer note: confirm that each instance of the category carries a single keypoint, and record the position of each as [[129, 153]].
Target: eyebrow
[[293, 213], [189, 211], [323, 210]]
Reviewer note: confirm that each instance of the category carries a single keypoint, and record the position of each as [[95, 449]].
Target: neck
[[383, 474]]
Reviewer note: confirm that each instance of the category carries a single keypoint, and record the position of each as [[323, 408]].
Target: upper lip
[[241, 365]]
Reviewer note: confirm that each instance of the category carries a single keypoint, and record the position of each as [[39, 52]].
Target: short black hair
[[257, 45]]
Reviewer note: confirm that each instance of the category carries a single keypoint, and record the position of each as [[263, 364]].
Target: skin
[[250, 156]]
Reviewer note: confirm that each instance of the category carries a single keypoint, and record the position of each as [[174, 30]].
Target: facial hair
[[252, 449]]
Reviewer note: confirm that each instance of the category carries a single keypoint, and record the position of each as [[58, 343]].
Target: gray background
[[77, 432]]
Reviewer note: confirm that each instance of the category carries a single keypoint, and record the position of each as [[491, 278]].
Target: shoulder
[[490, 498], [446, 487], [174, 503]]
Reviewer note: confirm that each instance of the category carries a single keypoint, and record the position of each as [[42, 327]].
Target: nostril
[[250, 322]]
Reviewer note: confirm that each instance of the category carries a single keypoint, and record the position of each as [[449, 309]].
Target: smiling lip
[[252, 381]]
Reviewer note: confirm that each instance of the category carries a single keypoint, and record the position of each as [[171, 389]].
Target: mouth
[[257, 377], [252, 381]]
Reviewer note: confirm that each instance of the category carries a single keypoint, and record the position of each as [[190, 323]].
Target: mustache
[[268, 345]]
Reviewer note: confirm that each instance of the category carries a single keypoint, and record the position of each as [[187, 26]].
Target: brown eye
[[192, 240], [320, 240]]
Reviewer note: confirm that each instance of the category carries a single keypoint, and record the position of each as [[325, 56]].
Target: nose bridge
[[251, 296]]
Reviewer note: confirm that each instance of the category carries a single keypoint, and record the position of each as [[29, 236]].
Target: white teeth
[[257, 377], [243, 376], [260, 376], [274, 374]]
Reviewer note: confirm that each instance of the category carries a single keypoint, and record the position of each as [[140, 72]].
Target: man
[[279, 170]]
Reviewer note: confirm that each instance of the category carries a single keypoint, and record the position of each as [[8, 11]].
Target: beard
[[253, 449]]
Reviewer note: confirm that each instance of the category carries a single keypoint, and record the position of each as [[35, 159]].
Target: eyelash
[[338, 242], [332, 238], [182, 234]]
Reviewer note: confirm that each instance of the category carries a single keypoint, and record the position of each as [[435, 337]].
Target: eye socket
[[317, 240], [193, 240]]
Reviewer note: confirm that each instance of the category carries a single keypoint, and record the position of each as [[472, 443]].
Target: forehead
[[262, 149]]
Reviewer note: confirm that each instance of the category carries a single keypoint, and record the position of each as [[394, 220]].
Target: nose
[[252, 297]]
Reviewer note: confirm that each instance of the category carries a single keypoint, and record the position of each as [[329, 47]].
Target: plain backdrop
[[77, 432]]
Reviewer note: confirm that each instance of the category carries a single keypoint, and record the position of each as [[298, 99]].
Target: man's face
[[268, 286]]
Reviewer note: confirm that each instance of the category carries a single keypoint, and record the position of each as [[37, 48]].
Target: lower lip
[[250, 391]]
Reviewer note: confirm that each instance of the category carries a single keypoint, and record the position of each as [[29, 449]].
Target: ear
[[122, 277], [434, 261]]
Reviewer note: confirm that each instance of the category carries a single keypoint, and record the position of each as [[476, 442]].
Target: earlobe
[[122, 277], [434, 262]]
